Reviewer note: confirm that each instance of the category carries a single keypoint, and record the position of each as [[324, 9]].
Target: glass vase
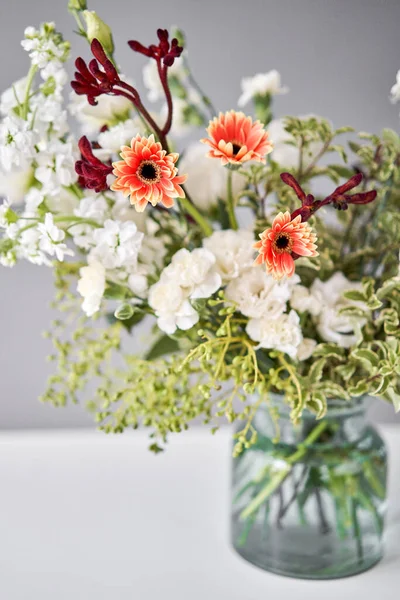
[[312, 504]]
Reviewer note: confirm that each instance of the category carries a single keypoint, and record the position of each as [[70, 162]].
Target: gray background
[[339, 58]]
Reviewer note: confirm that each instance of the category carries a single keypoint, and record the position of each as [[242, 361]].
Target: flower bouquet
[[254, 299]]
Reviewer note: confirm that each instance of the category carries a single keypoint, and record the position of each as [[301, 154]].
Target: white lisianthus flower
[[285, 154], [395, 90], [112, 139], [281, 333], [306, 348], [258, 295], [324, 301], [91, 286], [117, 244], [109, 110], [207, 179], [233, 251], [261, 85], [51, 239], [195, 272]]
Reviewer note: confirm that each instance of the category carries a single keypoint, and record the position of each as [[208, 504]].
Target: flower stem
[[279, 477], [194, 213], [29, 80], [230, 202]]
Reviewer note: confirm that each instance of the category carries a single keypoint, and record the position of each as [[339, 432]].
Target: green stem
[[357, 530], [279, 478], [194, 213], [29, 80], [230, 205], [64, 219]]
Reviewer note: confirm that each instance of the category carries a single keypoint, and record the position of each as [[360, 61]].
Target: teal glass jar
[[312, 505]]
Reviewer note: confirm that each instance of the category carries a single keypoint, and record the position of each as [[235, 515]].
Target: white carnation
[[281, 333], [305, 300], [258, 295], [261, 84], [233, 251], [91, 286], [207, 179], [306, 348]]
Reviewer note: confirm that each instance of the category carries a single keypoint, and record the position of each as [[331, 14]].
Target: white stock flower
[[45, 45], [91, 286], [260, 85], [395, 90], [13, 96], [207, 179], [281, 333], [51, 239], [90, 207], [56, 165], [108, 111], [4, 208], [233, 251], [117, 244], [17, 143], [112, 139], [258, 295]]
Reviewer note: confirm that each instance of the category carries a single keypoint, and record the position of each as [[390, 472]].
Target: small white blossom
[[108, 111], [117, 244], [90, 207], [261, 85], [282, 333], [91, 286], [56, 165], [258, 295], [13, 96], [51, 239], [16, 143], [45, 45], [233, 251], [207, 179], [395, 90]]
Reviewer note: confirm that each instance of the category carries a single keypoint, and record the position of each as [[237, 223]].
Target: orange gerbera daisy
[[286, 240], [234, 138], [147, 173]]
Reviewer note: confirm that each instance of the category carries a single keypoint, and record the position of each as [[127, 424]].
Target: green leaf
[[360, 389], [316, 370], [342, 171], [114, 291], [318, 404], [334, 390], [124, 312], [355, 296], [394, 398], [164, 345], [345, 129], [346, 371], [329, 351], [369, 359]]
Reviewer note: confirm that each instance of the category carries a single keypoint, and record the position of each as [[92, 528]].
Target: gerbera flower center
[[236, 148], [283, 243], [148, 172]]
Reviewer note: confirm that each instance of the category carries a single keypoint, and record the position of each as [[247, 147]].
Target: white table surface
[[85, 516]]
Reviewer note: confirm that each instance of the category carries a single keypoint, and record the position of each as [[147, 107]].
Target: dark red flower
[[164, 51], [92, 172], [340, 199], [91, 81]]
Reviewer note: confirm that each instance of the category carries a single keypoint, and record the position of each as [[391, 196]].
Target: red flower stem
[[163, 74], [134, 97]]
